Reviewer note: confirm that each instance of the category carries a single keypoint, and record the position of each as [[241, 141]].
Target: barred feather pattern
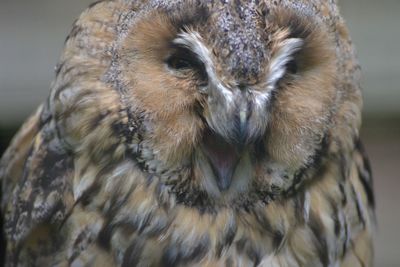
[[83, 184]]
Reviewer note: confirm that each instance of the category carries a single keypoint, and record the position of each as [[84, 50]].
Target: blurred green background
[[32, 35]]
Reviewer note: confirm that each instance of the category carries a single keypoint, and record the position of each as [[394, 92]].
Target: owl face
[[239, 98], [195, 133]]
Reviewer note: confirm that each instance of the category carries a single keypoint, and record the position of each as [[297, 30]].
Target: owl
[[195, 133]]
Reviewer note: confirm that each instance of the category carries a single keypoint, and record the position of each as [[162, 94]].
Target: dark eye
[[292, 67], [183, 62], [179, 63]]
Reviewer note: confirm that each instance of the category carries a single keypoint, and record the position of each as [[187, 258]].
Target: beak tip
[[224, 182], [223, 158]]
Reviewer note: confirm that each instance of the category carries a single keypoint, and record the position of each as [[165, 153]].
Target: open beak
[[223, 158]]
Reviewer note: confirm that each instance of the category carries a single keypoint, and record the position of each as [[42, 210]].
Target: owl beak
[[223, 158]]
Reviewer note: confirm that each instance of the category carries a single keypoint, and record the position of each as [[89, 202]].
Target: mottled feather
[[195, 133]]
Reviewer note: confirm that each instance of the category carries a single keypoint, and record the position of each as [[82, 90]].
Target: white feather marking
[[281, 58], [193, 41], [261, 99], [225, 92], [82, 182], [307, 203]]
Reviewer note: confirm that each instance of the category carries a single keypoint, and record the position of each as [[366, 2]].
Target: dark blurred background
[[32, 35]]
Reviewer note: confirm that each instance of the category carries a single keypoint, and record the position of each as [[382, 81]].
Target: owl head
[[222, 102]]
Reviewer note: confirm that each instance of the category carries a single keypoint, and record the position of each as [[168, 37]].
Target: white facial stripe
[[281, 58], [261, 99], [193, 41]]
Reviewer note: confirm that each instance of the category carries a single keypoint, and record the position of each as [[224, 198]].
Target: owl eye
[[184, 63], [179, 63], [292, 66]]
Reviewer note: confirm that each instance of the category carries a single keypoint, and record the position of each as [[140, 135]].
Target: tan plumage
[[195, 133]]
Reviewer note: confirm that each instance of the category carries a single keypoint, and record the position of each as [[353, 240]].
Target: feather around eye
[[284, 60], [179, 63], [181, 59], [184, 62], [292, 66]]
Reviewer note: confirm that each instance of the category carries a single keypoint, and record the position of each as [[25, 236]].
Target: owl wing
[[40, 203], [365, 173], [34, 173], [15, 156], [362, 202]]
